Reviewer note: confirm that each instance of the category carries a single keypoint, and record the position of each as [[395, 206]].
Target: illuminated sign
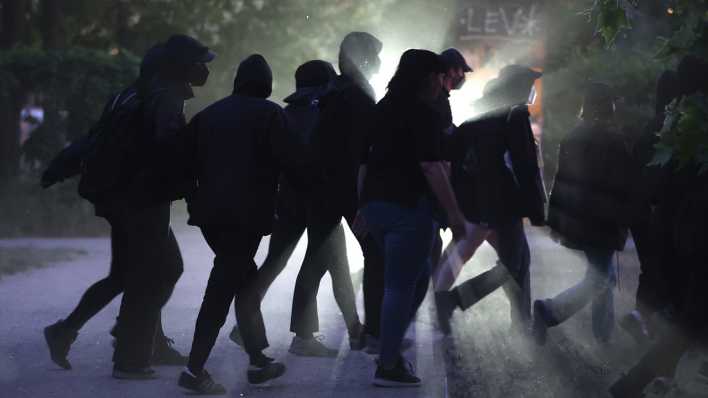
[[511, 20]]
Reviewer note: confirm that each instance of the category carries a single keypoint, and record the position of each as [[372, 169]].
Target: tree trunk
[[52, 24], [13, 22]]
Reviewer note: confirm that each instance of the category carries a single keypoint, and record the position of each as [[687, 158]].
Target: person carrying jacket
[[241, 146], [498, 183], [143, 246], [590, 209]]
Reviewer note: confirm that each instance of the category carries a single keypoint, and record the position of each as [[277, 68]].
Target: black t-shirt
[[407, 133]]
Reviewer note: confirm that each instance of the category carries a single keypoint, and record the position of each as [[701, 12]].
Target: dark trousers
[[515, 256], [405, 236], [101, 293], [147, 265], [232, 277], [372, 285], [326, 251]]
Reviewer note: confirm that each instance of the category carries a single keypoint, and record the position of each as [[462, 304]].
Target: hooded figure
[[241, 147]]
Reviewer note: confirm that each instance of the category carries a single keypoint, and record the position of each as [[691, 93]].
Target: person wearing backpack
[[497, 183], [69, 163], [241, 147], [295, 212]]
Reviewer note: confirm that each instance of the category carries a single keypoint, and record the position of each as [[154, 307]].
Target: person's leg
[[304, 320], [457, 254], [98, 295], [287, 231], [60, 335], [373, 285], [596, 282], [407, 254], [514, 253], [233, 265], [145, 287], [341, 280]]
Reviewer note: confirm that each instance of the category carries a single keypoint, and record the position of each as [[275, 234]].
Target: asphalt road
[[481, 359]]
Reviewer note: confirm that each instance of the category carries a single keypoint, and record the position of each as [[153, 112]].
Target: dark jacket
[[495, 171], [591, 202], [302, 115], [340, 142], [240, 147], [159, 176]]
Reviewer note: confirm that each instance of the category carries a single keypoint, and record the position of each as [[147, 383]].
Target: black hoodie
[[241, 147]]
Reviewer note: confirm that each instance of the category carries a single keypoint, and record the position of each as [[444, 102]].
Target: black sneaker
[[266, 370], [542, 320], [202, 383], [235, 336], [128, 373], [401, 375], [166, 355], [59, 339], [445, 303]]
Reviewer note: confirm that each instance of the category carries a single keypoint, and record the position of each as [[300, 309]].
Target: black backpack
[[113, 156]]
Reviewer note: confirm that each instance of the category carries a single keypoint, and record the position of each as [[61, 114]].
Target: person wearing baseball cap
[[498, 182], [405, 178]]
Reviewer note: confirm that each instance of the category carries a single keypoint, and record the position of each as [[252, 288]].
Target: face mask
[[197, 74]]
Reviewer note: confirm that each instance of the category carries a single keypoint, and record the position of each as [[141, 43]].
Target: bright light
[[670, 11]]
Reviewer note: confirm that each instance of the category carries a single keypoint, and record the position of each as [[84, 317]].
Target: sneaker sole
[[118, 374], [312, 355], [196, 391], [394, 384], [263, 380]]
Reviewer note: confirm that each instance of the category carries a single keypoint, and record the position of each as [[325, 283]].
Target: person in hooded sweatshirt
[[339, 142], [146, 261], [241, 146], [295, 211]]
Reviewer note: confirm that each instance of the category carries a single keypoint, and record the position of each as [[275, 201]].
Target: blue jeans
[[405, 236], [596, 287]]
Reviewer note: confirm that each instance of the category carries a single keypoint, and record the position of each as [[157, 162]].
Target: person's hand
[[359, 227]]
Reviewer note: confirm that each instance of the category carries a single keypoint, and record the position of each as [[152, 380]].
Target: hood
[[254, 77], [305, 95]]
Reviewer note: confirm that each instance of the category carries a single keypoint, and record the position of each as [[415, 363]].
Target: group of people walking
[[397, 171]]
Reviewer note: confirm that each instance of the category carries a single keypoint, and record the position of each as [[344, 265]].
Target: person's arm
[[439, 182], [524, 159]]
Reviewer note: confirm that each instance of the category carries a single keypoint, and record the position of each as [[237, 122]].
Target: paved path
[[480, 360]]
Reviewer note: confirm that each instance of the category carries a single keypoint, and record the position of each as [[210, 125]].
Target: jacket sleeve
[[284, 147], [524, 159]]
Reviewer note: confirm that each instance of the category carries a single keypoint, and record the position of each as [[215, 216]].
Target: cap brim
[[466, 68], [207, 57]]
